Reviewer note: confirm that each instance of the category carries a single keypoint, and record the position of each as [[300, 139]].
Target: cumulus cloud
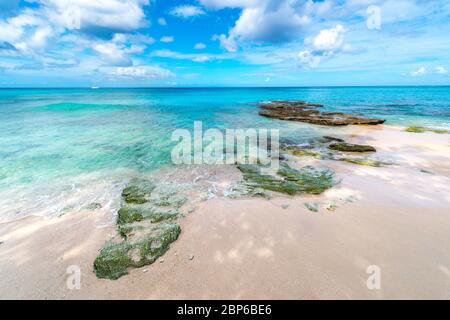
[[186, 11], [146, 72], [441, 70], [324, 45], [112, 54], [228, 43], [263, 21], [418, 72], [97, 17]]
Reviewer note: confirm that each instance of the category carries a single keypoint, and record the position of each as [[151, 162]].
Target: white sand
[[395, 217]]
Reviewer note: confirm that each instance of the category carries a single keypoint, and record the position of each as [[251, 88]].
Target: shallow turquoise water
[[51, 138]]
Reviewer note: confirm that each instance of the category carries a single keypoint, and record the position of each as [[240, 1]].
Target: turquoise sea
[[61, 149]]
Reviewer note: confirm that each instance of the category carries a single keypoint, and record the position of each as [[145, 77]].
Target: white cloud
[[199, 46], [329, 39], [186, 11], [185, 56], [227, 43], [110, 14], [441, 70], [167, 39], [264, 21], [162, 22], [324, 45], [142, 72], [220, 4], [418, 72], [112, 54]]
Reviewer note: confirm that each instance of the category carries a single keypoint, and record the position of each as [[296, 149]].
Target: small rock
[[348, 147], [332, 139], [191, 257], [312, 206], [161, 260], [94, 206], [145, 270], [191, 210], [285, 206]]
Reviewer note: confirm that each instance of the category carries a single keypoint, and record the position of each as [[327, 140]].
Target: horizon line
[[232, 87]]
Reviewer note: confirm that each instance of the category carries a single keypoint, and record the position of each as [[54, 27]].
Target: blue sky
[[119, 43]]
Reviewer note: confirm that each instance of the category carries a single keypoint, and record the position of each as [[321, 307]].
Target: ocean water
[[63, 149]]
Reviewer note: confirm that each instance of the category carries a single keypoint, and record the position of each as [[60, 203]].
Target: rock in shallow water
[[138, 191], [307, 112], [348, 147]]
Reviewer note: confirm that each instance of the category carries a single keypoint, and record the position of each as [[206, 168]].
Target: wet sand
[[395, 217]]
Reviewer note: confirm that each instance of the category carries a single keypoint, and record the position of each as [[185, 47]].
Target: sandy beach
[[396, 217]]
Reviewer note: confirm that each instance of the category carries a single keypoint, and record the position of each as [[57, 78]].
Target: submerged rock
[[327, 139], [348, 147], [138, 191], [93, 206], [417, 129], [300, 152], [115, 259], [365, 162], [312, 206], [307, 112]]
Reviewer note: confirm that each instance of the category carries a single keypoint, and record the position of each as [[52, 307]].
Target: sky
[[190, 43]]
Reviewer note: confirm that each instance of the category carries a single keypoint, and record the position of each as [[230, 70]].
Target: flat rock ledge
[[308, 112]]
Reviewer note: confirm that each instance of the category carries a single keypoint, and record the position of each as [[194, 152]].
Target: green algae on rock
[[146, 228], [138, 213], [115, 259], [301, 152], [349, 147], [308, 179], [138, 191], [365, 162], [418, 129], [288, 180]]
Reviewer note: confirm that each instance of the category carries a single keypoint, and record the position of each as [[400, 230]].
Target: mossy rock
[[168, 200], [115, 259], [308, 179], [348, 147], [328, 139], [418, 129], [138, 191], [365, 162], [288, 180], [301, 152], [256, 180], [138, 213]]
